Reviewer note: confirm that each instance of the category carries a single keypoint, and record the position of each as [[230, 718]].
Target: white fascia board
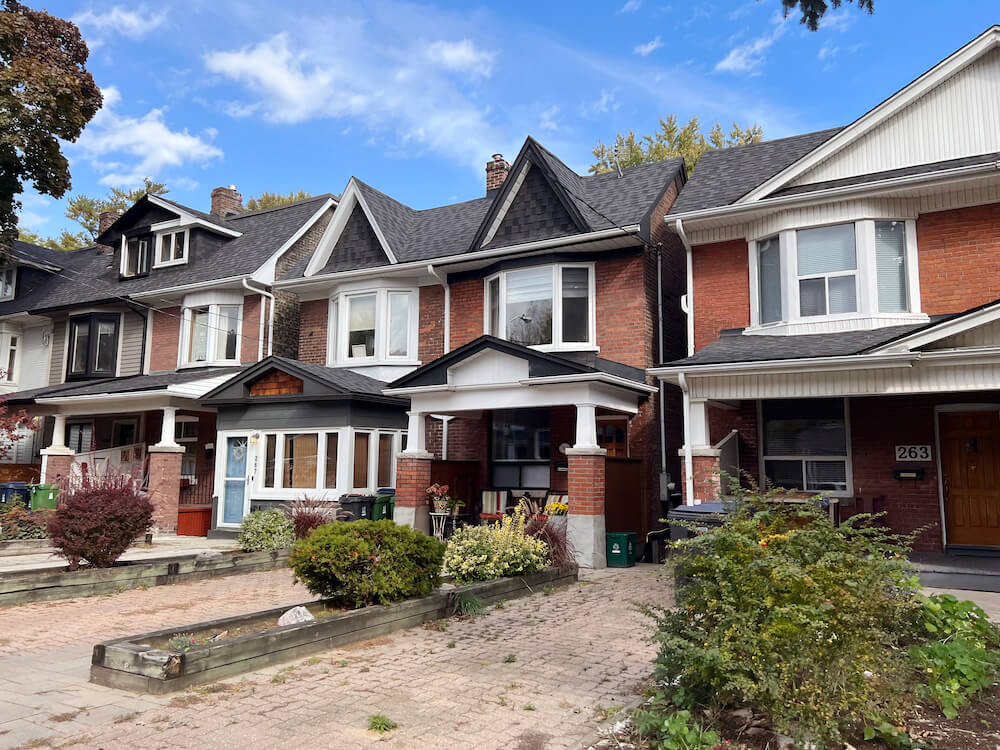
[[185, 288], [187, 219], [421, 265], [324, 248], [584, 377], [265, 274], [511, 194], [983, 355], [848, 362], [881, 112], [943, 330], [198, 388], [377, 229]]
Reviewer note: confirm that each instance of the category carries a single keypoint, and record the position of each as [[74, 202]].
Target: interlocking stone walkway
[[576, 650]]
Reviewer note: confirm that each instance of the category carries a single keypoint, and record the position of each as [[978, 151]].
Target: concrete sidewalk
[[164, 546]]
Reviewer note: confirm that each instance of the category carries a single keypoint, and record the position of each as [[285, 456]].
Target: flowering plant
[[438, 495], [497, 550], [556, 508]]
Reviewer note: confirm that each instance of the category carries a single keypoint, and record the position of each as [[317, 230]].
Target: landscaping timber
[[9, 547], [136, 663]]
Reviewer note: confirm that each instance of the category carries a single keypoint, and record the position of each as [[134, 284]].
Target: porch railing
[[124, 459], [197, 490]]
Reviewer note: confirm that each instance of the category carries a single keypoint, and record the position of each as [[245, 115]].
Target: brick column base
[[707, 480], [57, 465], [413, 477], [585, 524], [165, 486]]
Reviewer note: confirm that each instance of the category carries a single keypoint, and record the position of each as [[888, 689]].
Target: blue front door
[[235, 480]]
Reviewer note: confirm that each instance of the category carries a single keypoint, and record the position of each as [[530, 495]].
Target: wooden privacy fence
[[20, 472], [463, 479], [625, 500]]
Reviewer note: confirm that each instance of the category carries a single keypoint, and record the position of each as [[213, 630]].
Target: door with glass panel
[[234, 483]]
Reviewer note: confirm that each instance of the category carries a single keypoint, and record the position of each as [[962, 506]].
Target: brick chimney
[[105, 219], [226, 202], [496, 172]]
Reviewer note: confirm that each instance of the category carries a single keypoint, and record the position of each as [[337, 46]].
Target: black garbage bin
[[705, 515], [360, 507], [13, 491]]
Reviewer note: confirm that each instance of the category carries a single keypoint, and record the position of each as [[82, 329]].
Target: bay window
[[827, 270], [93, 346], [373, 326], [171, 248], [890, 262], [548, 306], [805, 445], [769, 263], [211, 334], [314, 460]]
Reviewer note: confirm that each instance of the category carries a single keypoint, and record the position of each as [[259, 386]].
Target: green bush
[[497, 550], [266, 530], [17, 522], [667, 729], [784, 612], [359, 563]]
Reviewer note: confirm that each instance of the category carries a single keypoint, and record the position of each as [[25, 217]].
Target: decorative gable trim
[[944, 70], [185, 219], [265, 274], [935, 332], [351, 197]]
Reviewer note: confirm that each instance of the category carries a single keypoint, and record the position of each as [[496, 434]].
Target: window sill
[[557, 348], [168, 264], [835, 324], [211, 363], [372, 362]]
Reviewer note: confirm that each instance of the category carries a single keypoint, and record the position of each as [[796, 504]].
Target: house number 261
[[913, 453]]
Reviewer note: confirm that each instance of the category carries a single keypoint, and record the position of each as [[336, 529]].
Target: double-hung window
[[93, 346], [171, 248], [373, 326], [827, 270], [548, 306], [805, 444], [8, 276], [212, 334]]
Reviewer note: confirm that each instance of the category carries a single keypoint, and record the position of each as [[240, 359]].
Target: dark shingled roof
[[339, 377], [36, 254], [129, 384], [724, 176]]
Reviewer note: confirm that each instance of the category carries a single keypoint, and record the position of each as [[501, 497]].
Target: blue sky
[[414, 98]]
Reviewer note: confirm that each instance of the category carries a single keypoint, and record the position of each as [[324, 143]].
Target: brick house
[[135, 330], [844, 309], [518, 326]]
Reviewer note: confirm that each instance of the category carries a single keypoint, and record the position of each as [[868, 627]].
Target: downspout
[[145, 326], [687, 301], [664, 492], [688, 455], [270, 324], [443, 281]]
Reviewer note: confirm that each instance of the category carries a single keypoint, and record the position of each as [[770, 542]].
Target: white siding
[[35, 354], [984, 335], [131, 344], [57, 370]]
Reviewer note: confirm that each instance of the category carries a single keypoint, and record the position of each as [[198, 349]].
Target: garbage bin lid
[[695, 510]]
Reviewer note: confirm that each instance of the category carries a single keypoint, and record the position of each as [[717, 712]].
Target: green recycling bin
[[621, 549], [44, 496], [385, 506]]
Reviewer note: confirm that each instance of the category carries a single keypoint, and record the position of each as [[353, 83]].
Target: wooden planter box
[[132, 663], [46, 584], [9, 547]]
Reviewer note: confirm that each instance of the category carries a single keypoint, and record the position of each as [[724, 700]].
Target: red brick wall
[[707, 481], [413, 477], [721, 289], [431, 336], [586, 485], [959, 258], [626, 309], [250, 340], [164, 339], [466, 311], [312, 331], [165, 488]]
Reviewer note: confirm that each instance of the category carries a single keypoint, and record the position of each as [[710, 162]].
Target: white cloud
[[749, 56], [827, 50], [125, 149], [32, 216], [630, 6], [548, 121], [839, 21], [134, 23], [648, 47], [606, 103], [461, 57]]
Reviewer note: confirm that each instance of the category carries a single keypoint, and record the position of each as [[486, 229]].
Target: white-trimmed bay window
[[549, 307], [211, 334], [804, 445], [864, 271], [171, 248], [376, 326]]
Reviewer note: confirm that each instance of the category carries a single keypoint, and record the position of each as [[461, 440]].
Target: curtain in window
[[301, 453], [890, 262], [361, 326], [805, 444], [107, 347], [226, 335], [769, 272], [80, 345], [529, 306], [361, 459], [385, 453], [332, 441], [198, 349]]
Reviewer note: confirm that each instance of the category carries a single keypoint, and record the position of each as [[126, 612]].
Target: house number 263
[[913, 453]]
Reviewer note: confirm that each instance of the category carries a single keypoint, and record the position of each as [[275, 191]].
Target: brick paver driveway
[[575, 652]]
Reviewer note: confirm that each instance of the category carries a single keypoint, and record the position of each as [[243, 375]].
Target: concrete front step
[[972, 573]]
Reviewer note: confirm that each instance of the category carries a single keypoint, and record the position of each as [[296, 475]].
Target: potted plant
[[438, 496], [454, 504], [557, 512]]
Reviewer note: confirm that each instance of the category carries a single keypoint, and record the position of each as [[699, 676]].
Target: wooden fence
[[625, 499]]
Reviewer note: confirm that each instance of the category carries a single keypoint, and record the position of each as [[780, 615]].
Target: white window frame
[[848, 458], [866, 280], [12, 374], [184, 419], [4, 271], [214, 330], [557, 328], [338, 335], [158, 247], [139, 269]]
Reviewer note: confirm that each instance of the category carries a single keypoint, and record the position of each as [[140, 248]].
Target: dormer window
[[8, 276], [135, 257], [171, 248]]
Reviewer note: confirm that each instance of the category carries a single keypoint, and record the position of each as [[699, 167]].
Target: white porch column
[[59, 434], [57, 459], [168, 429], [586, 427], [701, 460], [416, 435], [585, 526], [413, 476]]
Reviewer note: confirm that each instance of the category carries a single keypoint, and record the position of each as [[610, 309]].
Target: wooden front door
[[970, 476]]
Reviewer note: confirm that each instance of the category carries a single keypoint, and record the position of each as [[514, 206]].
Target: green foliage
[[669, 142], [17, 522], [46, 96], [65, 241], [814, 10], [273, 200], [666, 729], [785, 612], [367, 562], [496, 550], [86, 210], [381, 724], [182, 642], [266, 530], [944, 616], [510, 658], [468, 604]]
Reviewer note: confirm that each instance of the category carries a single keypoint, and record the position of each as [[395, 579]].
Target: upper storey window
[[550, 307], [858, 270], [93, 346], [211, 335], [171, 248], [375, 326], [8, 277], [135, 256]]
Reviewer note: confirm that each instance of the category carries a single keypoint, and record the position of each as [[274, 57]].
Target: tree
[[65, 241], [46, 96], [273, 200], [670, 142], [814, 10], [86, 210]]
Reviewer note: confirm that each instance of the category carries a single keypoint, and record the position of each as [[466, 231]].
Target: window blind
[[890, 262], [769, 272], [826, 249]]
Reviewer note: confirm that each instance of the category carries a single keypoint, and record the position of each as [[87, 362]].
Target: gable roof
[[36, 255]]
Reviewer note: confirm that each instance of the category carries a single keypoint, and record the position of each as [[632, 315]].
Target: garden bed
[[10, 547], [136, 663], [47, 584]]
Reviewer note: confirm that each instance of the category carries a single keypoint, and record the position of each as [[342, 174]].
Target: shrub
[[561, 553], [497, 550], [17, 522], [666, 729], [793, 616], [367, 562], [307, 513], [98, 520], [266, 530]]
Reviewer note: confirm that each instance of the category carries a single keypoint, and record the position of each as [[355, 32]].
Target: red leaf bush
[[561, 552], [98, 521], [308, 513]]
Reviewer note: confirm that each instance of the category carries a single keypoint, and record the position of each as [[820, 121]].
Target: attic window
[[8, 276], [171, 248], [135, 257]]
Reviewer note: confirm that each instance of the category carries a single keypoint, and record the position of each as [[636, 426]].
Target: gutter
[[187, 287], [829, 364], [443, 281], [270, 324]]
